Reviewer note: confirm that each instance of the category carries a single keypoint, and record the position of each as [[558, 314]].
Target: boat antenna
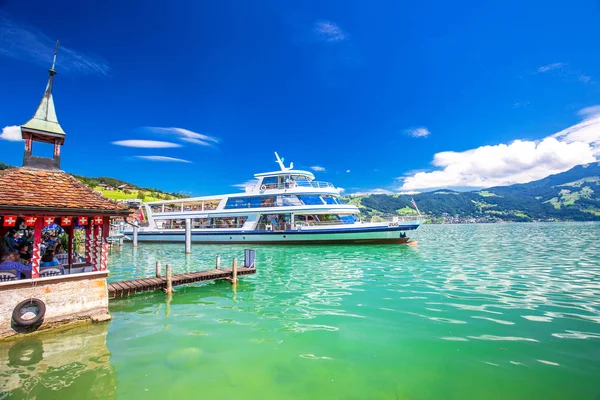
[[281, 165]]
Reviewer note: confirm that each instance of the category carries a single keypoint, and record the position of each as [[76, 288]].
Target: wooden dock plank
[[126, 288]]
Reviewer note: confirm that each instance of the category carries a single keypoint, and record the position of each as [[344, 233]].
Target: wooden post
[[37, 241], [188, 236], [98, 246], [218, 262], [70, 233], [169, 288], [158, 269], [135, 235], [89, 242], [121, 241], [234, 271]]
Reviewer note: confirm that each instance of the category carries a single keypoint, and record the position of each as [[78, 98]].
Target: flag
[[66, 221], [82, 221], [140, 215], [49, 221], [10, 220], [412, 201], [98, 220], [30, 221]]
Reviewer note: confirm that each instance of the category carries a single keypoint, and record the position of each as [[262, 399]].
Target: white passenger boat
[[283, 207]]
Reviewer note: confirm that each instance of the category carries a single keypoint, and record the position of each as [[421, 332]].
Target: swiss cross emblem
[[29, 221], [48, 221], [82, 221], [98, 220], [10, 220], [66, 221]]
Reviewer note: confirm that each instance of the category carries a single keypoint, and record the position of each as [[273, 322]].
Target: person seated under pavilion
[[10, 262]]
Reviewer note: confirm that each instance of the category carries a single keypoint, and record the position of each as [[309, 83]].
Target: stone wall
[[68, 298]]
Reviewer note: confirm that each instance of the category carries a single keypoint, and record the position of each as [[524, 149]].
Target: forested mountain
[[571, 195]]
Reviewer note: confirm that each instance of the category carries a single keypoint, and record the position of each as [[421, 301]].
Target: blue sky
[[379, 96]]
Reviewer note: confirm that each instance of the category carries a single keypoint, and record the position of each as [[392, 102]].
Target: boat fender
[[17, 314], [263, 187]]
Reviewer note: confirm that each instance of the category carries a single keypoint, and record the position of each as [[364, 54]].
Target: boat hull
[[330, 236]]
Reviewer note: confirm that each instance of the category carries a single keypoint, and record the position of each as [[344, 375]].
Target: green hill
[[573, 195]]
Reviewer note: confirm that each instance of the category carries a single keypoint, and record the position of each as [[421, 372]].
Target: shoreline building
[[34, 198]]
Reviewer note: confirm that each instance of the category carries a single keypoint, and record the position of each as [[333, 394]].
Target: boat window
[[330, 200], [237, 202], [285, 201], [299, 178], [267, 201], [200, 223], [224, 222], [311, 200], [348, 219], [163, 223], [270, 182], [255, 202]]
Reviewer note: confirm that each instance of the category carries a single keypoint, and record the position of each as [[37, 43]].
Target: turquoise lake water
[[504, 311]]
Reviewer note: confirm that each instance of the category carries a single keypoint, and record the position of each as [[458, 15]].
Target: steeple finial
[[51, 70], [44, 127]]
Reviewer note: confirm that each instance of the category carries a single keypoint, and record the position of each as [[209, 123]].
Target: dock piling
[[169, 288], [158, 273], [188, 236], [218, 262], [249, 258], [234, 271], [135, 236]]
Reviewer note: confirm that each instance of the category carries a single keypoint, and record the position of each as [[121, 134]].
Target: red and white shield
[[66, 221], [98, 220], [82, 221], [10, 220], [29, 221], [49, 221]]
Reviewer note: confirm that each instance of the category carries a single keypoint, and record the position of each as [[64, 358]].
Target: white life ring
[[263, 187]]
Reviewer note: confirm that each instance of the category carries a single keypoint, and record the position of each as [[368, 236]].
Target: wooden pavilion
[[39, 195]]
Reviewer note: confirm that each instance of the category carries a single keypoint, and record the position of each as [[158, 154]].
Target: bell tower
[[44, 127]]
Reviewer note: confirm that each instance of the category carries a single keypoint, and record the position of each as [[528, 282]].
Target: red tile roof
[[38, 189]]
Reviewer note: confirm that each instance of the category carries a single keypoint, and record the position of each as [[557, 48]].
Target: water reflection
[[62, 364]]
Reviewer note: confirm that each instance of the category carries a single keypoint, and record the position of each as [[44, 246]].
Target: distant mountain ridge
[[571, 195]]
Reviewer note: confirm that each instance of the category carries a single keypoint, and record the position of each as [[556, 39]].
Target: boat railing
[[295, 184], [392, 218]]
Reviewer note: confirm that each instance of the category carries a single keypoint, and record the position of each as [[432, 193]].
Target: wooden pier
[[126, 288]]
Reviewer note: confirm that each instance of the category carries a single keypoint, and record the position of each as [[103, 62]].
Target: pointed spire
[[44, 119]]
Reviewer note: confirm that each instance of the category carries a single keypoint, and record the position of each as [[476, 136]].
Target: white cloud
[[11, 133], [347, 171], [163, 158], [27, 43], [186, 135], [591, 111], [565, 71], [518, 162], [318, 168], [329, 31], [550, 67], [373, 191], [146, 144], [420, 132], [587, 131], [246, 185]]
